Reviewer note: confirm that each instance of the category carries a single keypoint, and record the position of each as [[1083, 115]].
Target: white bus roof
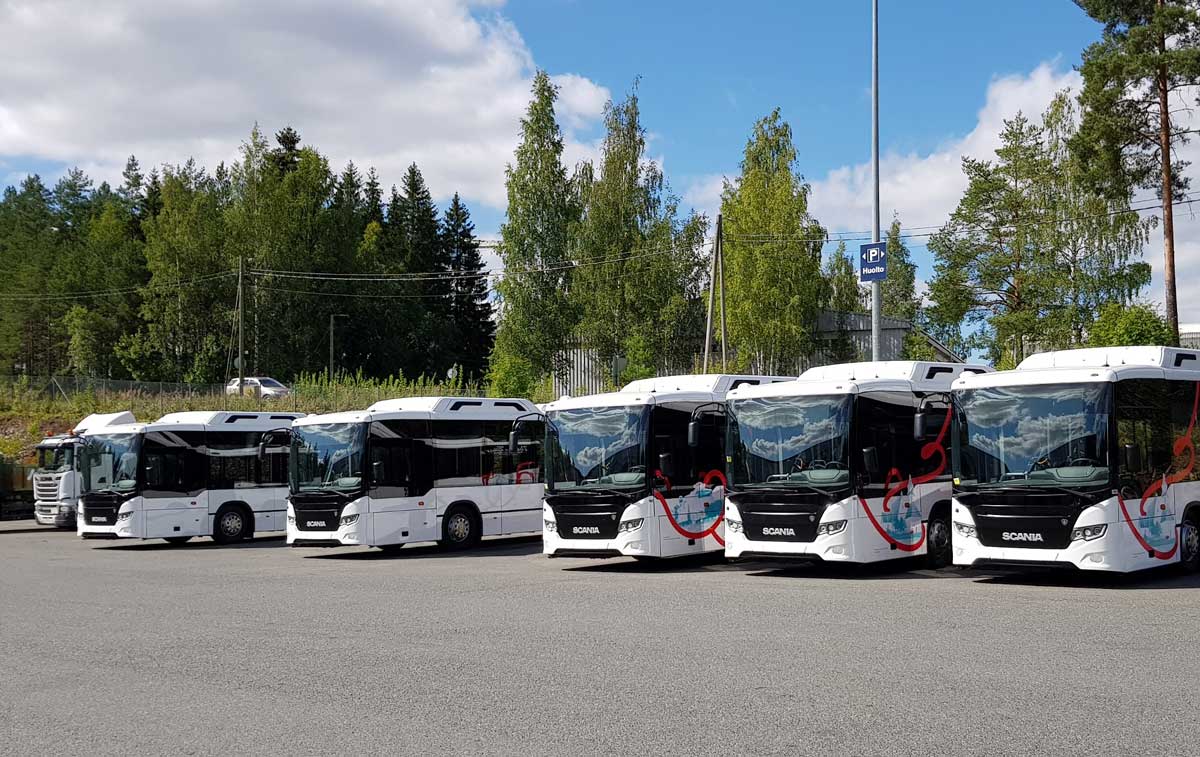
[[852, 378], [465, 408], [223, 420], [94, 422], [705, 387], [1094, 364]]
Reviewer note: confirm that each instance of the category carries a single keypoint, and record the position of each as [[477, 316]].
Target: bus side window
[[232, 459], [526, 467], [394, 444], [884, 423], [174, 464], [1144, 411], [1183, 402]]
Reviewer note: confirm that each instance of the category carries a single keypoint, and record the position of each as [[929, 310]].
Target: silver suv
[[259, 386]]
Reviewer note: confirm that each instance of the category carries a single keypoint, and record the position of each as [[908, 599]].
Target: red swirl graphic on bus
[[1159, 488], [895, 484], [706, 479]]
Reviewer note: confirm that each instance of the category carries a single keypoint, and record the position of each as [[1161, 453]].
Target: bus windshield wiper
[[982, 489], [592, 490], [793, 487]]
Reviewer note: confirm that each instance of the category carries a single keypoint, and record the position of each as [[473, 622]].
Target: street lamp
[[332, 317]]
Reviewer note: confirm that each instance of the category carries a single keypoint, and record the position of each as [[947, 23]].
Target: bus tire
[[1189, 541], [232, 524], [461, 527], [938, 539], [177, 540]]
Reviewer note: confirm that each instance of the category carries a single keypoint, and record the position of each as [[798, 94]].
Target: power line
[[169, 286]]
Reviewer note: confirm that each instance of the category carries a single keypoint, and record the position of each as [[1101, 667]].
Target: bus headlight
[[964, 530], [831, 528], [630, 525], [125, 515], [349, 520], [291, 519], [733, 525], [1087, 533], [550, 525]]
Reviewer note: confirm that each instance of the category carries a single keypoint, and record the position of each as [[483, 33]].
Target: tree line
[[1042, 251]]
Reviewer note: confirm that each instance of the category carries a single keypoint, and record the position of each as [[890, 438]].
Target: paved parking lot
[[118, 648]]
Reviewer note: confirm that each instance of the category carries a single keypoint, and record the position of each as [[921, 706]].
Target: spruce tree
[[472, 326]]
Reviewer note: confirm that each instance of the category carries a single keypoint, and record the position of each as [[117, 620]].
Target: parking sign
[[872, 261]]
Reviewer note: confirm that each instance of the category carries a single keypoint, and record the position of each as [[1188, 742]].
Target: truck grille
[[1033, 521], [45, 487], [318, 513]]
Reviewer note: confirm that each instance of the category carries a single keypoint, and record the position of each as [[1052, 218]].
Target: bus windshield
[[795, 442], [327, 457], [1056, 434], [55, 459], [597, 448], [109, 463]]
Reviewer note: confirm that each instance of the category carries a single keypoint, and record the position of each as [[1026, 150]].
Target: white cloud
[[703, 193], [384, 84], [924, 189]]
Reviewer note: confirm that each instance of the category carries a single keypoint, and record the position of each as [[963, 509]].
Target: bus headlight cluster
[[1087, 533], [291, 520], [550, 525], [125, 515], [964, 530], [831, 528], [629, 525], [349, 520], [733, 525]]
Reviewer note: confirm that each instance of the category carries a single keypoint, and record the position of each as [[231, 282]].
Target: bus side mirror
[[1131, 458], [666, 464], [513, 443], [377, 472], [871, 461], [694, 434], [919, 426]]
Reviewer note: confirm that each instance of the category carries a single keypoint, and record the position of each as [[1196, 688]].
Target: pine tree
[[286, 157], [472, 326], [1150, 51]]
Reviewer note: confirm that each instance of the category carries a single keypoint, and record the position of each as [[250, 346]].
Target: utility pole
[[241, 320], [876, 286], [721, 275], [712, 296], [332, 317]]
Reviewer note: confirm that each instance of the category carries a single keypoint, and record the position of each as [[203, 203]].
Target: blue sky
[[444, 83]]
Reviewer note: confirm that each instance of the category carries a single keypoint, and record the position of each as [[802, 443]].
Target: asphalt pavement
[[120, 648]]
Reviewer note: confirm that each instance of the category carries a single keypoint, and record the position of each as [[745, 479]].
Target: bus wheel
[[938, 541], [230, 525], [459, 528], [1189, 548], [177, 540]]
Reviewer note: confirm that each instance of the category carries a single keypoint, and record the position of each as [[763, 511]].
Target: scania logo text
[[585, 530], [314, 524], [778, 531], [1020, 536]]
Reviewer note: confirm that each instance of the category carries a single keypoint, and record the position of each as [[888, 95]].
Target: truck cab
[[56, 477]]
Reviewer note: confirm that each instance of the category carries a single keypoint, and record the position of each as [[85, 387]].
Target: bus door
[[402, 501], [175, 485]]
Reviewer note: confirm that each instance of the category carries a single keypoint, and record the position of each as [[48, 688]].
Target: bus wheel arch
[[462, 525], [939, 535], [233, 522], [1189, 537]]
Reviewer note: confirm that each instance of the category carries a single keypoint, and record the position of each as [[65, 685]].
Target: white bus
[[420, 469], [1080, 458], [623, 477], [218, 474], [56, 480], [849, 463]]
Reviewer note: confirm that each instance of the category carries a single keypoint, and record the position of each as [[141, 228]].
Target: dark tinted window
[[174, 463], [1143, 409], [883, 422], [400, 458], [458, 453], [669, 429]]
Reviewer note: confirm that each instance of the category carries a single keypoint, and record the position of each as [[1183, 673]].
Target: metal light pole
[[876, 286], [333, 316]]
